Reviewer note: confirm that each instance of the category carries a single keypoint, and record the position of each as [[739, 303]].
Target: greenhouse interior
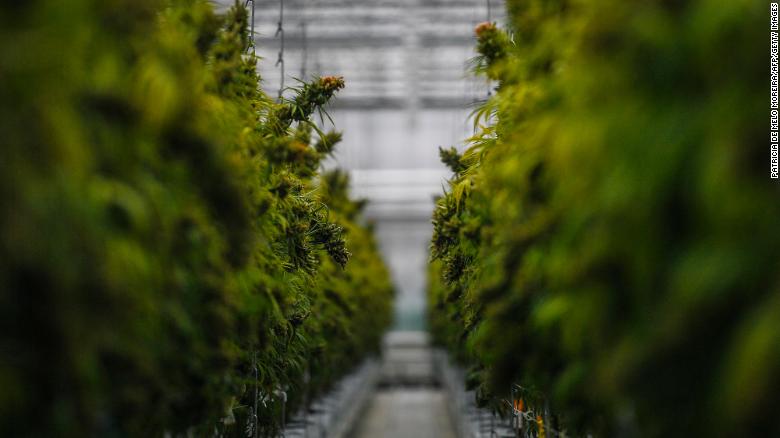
[[389, 218]]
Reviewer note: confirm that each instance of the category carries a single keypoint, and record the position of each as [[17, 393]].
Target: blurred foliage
[[168, 248], [610, 236]]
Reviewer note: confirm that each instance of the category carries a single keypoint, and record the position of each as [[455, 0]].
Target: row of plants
[[607, 245], [173, 261]]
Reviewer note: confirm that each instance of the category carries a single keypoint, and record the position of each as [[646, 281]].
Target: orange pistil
[[484, 27], [332, 82]]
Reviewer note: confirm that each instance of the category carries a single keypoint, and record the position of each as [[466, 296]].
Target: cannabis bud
[[492, 46], [331, 237], [452, 159], [332, 83], [308, 98], [327, 143], [484, 28]]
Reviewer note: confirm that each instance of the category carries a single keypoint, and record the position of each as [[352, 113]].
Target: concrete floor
[[414, 412]]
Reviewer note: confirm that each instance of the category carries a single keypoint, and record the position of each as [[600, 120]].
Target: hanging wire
[[489, 20], [251, 45], [529, 416], [254, 366], [317, 67], [523, 414], [304, 40], [471, 87], [304, 48], [280, 60]]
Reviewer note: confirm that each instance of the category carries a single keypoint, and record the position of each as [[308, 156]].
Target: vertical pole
[[251, 45], [547, 422], [487, 3], [284, 406], [254, 405], [280, 60], [304, 42]]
